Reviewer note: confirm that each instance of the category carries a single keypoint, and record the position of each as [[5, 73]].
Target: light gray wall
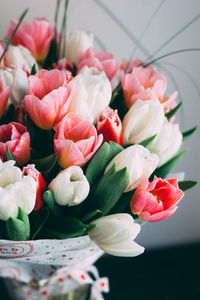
[[184, 226]]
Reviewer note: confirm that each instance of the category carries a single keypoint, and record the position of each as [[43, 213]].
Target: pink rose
[[145, 83], [75, 141], [4, 96], [157, 200], [102, 61], [36, 36], [49, 98], [17, 139]]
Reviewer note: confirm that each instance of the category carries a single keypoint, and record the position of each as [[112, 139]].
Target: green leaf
[[33, 70], [55, 209], [9, 155], [95, 213], [63, 228], [91, 226], [123, 203], [2, 229], [37, 220], [186, 185], [108, 191], [100, 161], [148, 141], [46, 164], [188, 133], [168, 166], [170, 114], [18, 229]]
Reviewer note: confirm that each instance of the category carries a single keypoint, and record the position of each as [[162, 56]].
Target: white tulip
[[15, 190], [70, 187], [76, 44], [17, 80], [143, 120], [139, 162], [92, 94], [19, 56], [115, 234], [167, 142]]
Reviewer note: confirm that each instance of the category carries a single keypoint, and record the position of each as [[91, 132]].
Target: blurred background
[[117, 25], [172, 272]]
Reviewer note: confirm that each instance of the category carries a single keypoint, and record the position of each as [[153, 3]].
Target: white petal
[[8, 205], [70, 187]]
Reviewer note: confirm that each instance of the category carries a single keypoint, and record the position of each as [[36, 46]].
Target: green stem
[[15, 30], [144, 31], [175, 35], [170, 54]]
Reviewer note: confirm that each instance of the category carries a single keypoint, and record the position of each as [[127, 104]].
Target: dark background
[[164, 274]]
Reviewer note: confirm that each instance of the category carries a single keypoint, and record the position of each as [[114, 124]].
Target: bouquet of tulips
[[86, 147]]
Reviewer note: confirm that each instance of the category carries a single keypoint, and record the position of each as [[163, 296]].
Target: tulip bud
[[92, 94], [31, 171], [115, 234], [15, 190], [143, 120], [110, 126], [70, 187], [17, 80], [19, 56], [167, 142], [139, 162], [77, 43]]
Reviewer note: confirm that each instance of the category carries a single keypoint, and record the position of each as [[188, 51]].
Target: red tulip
[[4, 96], [110, 126], [31, 171]]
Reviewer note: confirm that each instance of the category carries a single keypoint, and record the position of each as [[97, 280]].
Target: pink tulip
[[127, 66], [145, 83], [4, 96], [102, 61], [49, 97], [157, 200], [36, 36], [17, 139], [75, 141]]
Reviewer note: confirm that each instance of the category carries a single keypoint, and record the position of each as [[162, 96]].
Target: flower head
[[70, 187], [49, 97], [145, 83], [139, 162], [17, 139], [157, 200], [36, 36], [75, 141], [115, 234], [102, 61], [15, 190]]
